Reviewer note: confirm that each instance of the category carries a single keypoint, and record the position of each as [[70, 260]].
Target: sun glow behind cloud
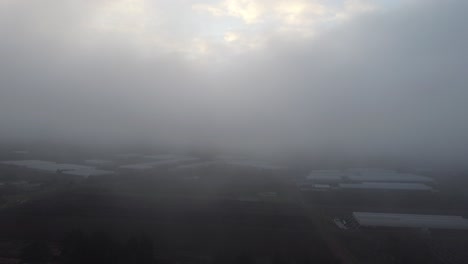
[[312, 76], [127, 16], [240, 25]]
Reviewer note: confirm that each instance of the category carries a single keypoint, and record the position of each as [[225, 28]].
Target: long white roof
[[389, 177], [366, 175], [65, 168], [386, 186], [197, 165], [326, 175], [253, 164], [247, 162], [154, 164], [322, 186], [411, 220]]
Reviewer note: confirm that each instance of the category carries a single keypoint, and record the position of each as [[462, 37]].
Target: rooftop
[[386, 186], [162, 162], [411, 220], [389, 177], [366, 175], [327, 175], [65, 168]]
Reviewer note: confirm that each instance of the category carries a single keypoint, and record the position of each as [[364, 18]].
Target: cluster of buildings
[[63, 168], [163, 160], [375, 181], [364, 179], [139, 162], [397, 221], [424, 221]]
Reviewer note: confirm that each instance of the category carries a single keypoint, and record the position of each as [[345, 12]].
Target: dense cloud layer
[[387, 83]]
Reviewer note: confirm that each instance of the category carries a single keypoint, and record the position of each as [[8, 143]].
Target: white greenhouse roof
[[64, 168], [322, 186], [388, 177], [88, 172], [386, 186], [253, 164], [411, 220], [326, 175], [197, 165], [154, 164]]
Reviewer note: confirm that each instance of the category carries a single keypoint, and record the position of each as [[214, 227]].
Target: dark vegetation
[[100, 247], [212, 215], [164, 218]]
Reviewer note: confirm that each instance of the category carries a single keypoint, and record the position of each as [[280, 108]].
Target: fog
[[389, 82]]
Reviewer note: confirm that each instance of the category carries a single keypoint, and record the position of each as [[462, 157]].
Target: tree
[[36, 252]]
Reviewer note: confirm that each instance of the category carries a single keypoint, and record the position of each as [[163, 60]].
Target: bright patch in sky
[[123, 15], [209, 27]]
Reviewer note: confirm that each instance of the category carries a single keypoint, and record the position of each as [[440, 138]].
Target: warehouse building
[[395, 186], [385, 220], [388, 177], [366, 179]]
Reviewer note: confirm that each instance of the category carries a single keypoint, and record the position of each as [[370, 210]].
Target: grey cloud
[[390, 83]]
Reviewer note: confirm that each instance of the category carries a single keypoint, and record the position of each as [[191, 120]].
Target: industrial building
[[388, 177], [161, 161], [365, 179], [328, 176], [366, 219], [63, 168], [386, 186]]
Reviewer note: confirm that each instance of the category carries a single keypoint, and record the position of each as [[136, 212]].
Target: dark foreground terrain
[[147, 219], [221, 215]]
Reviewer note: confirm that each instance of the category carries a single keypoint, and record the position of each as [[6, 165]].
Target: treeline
[[78, 247], [99, 247]]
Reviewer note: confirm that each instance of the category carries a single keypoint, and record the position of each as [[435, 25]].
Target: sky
[[361, 78]]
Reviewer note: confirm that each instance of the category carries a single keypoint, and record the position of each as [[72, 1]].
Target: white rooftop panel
[[389, 177], [65, 168], [163, 156], [326, 175], [322, 186], [97, 161], [327, 171], [370, 170], [45, 165], [88, 172], [244, 161], [128, 155], [386, 186], [22, 152], [411, 220], [150, 165], [140, 166], [254, 164], [174, 161], [197, 165]]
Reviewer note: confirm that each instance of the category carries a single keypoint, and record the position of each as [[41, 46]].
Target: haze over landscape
[[233, 131], [356, 77]]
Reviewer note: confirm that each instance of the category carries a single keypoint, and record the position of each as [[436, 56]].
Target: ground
[[221, 215]]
